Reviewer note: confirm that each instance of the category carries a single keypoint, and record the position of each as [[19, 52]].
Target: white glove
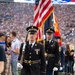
[[46, 62], [61, 68], [55, 69], [19, 66], [60, 64], [74, 67]]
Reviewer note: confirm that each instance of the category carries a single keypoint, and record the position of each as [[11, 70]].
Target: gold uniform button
[[30, 57], [30, 53], [45, 54], [30, 64], [29, 61]]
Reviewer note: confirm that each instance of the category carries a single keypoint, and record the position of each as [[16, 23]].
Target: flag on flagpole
[[56, 27], [57, 30], [49, 23], [42, 11]]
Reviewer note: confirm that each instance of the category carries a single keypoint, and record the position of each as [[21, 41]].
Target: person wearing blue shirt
[[2, 59], [2, 43]]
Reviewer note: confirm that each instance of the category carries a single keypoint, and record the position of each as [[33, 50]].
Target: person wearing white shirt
[[15, 50]]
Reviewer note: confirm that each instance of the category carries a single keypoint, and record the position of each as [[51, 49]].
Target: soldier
[[61, 53], [52, 53], [34, 59]]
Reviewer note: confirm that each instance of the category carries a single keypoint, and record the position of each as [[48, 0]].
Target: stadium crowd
[[17, 16], [65, 15]]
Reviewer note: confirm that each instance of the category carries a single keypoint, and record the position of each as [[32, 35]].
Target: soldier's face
[[32, 37], [49, 36]]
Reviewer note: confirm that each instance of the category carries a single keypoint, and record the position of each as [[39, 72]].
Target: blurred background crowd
[[66, 21], [17, 16]]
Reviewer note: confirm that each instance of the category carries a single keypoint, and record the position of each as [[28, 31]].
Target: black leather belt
[[31, 61], [51, 55]]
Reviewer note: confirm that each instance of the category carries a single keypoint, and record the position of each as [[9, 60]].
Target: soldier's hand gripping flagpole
[[54, 69]]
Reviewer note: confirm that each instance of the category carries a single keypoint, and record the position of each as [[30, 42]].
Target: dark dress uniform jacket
[[34, 54], [52, 48]]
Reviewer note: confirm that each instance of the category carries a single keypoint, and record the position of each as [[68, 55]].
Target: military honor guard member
[[52, 53], [34, 58]]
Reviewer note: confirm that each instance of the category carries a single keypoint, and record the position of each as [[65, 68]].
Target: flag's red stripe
[[45, 7], [39, 16], [46, 15]]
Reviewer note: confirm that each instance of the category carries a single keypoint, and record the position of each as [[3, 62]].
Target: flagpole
[[53, 21]]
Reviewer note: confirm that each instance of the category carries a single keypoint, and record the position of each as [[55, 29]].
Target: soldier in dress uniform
[[34, 58], [61, 53], [52, 53]]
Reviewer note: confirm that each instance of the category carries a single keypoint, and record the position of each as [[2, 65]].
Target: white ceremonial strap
[[24, 45]]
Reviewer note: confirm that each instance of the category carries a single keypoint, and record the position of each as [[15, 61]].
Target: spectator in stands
[[67, 58], [2, 59], [71, 60], [8, 54], [2, 43], [15, 50], [2, 39]]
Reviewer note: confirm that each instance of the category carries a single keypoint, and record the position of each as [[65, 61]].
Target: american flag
[[42, 10]]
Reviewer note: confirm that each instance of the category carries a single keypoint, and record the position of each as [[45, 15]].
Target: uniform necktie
[[48, 42], [30, 45]]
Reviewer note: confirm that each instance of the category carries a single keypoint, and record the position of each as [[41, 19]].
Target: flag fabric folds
[[56, 27], [42, 11], [49, 23], [57, 30]]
